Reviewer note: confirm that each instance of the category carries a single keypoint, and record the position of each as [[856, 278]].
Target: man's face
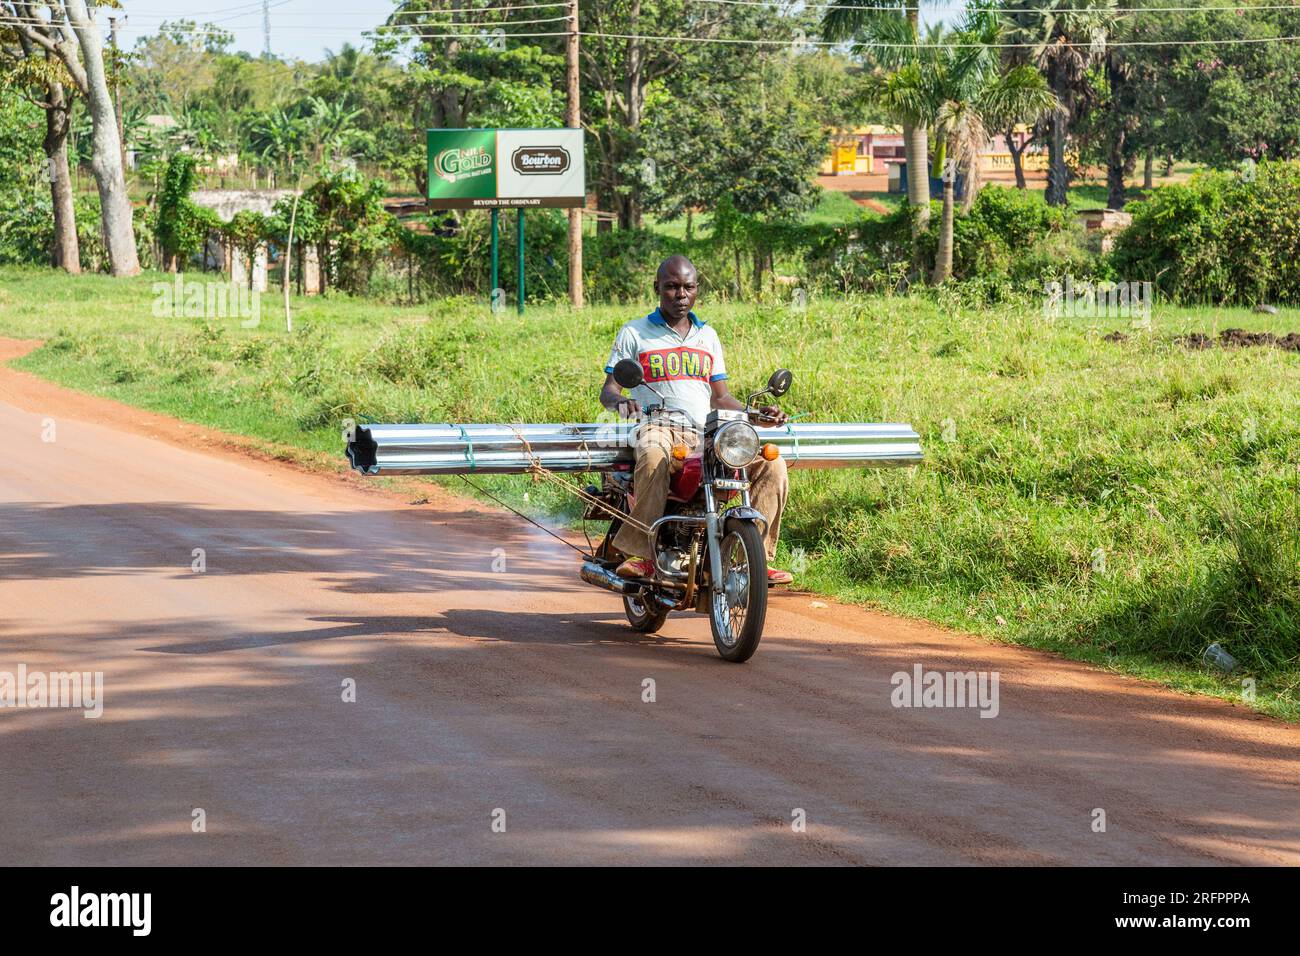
[[677, 287]]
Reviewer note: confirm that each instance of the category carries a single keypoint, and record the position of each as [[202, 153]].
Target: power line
[[252, 9], [490, 8], [399, 29], [476, 30], [927, 46], [412, 31], [240, 16], [886, 7]]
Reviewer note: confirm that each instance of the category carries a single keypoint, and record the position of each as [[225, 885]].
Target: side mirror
[[779, 383], [629, 374]]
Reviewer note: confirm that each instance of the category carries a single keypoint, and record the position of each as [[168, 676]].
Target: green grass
[[836, 208], [893, 200], [1123, 503]]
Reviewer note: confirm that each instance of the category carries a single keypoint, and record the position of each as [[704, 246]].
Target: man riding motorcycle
[[681, 357]]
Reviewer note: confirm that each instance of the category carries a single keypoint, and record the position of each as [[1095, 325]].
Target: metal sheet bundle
[[511, 449]]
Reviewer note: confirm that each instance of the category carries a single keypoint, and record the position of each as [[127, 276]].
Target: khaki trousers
[[768, 489]]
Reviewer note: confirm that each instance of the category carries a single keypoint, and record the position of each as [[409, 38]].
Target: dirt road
[[521, 690]]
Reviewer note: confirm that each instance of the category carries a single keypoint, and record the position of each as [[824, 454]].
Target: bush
[[619, 266], [874, 255], [1218, 238], [355, 230], [1013, 235], [26, 226], [1011, 239]]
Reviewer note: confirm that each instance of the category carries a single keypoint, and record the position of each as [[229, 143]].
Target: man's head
[[677, 285]]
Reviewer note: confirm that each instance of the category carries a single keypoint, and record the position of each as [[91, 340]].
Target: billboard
[[506, 168]]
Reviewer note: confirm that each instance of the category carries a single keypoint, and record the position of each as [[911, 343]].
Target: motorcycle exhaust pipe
[[593, 573]]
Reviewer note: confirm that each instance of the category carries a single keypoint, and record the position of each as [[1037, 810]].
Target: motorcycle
[[707, 552]]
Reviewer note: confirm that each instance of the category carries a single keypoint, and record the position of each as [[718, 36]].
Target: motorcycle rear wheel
[[736, 614], [642, 614]]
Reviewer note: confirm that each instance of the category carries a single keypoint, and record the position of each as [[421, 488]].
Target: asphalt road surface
[[517, 696]]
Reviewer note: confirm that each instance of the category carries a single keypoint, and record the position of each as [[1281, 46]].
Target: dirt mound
[[1240, 338]]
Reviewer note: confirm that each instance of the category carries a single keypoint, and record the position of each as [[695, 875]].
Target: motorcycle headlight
[[736, 443]]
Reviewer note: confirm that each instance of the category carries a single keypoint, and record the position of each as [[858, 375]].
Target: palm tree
[[873, 23], [351, 72], [1066, 39], [195, 130], [1019, 95], [963, 92]]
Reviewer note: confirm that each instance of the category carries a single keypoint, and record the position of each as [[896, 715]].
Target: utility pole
[[573, 120], [266, 28], [117, 91]]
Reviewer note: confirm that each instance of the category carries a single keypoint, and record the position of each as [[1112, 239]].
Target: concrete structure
[[1107, 222], [226, 203]]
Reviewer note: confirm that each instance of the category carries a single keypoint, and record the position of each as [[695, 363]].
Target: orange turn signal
[[680, 452], [770, 452]]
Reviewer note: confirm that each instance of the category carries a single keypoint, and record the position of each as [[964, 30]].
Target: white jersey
[[680, 368]]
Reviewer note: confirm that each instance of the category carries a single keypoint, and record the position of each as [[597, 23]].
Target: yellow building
[[864, 150], [868, 150]]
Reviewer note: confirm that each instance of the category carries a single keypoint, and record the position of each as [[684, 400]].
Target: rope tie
[[537, 470], [587, 451]]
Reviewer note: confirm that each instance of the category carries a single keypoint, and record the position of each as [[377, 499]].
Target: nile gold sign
[[453, 164]]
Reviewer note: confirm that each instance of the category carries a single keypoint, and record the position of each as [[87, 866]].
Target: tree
[[975, 96], [25, 219], [245, 233], [178, 62], [352, 225], [1065, 39], [464, 80], [1217, 103], [279, 138], [25, 67], [701, 138], [1017, 148], [767, 162], [1110, 133], [620, 75], [76, 31]]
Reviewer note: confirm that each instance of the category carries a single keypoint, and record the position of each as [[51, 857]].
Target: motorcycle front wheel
[[737, 611]]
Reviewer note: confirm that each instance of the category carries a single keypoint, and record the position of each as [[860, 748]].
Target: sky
[[302, 29]]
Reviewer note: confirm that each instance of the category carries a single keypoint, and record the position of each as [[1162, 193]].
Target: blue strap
[[795, 436], [469, 447]]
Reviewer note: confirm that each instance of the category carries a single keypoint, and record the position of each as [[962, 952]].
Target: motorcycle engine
[[673, 558]]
